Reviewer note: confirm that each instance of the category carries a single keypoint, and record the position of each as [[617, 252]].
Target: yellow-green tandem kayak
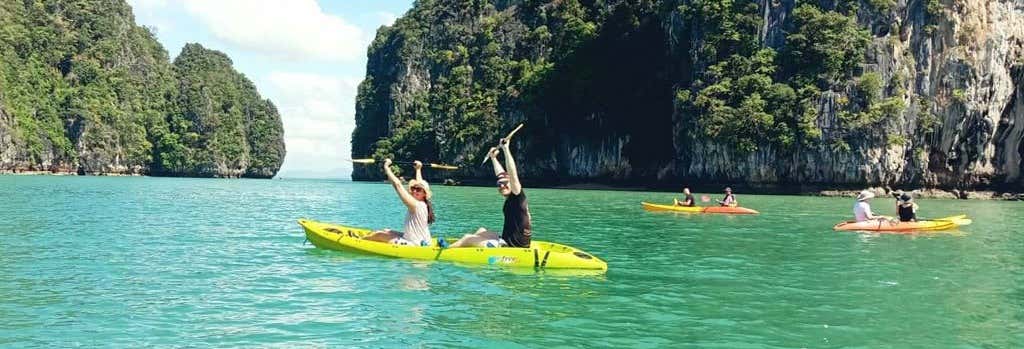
[[540, 254]]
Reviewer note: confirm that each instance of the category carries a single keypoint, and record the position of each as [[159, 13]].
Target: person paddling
[[517, 231], [729, 200], [688, 200], [420, 211], [906, 208], [862, 210]]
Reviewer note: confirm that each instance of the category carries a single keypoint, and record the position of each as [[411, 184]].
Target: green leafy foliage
[[882, 5], [750, 96], [89, 89], [927, 122], [960, 96], [637, 68], [740, 104], [823, 46]]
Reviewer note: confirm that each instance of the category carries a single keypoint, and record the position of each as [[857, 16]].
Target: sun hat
[[421, 184], [906, 197], [865, 195]]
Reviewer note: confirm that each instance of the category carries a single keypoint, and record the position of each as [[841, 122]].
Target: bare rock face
[[955, 68], [969, 70], [8, 151]]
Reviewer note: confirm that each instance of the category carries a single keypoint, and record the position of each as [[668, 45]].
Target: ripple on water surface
[[133, 262]]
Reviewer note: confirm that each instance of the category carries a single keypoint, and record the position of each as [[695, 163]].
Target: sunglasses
[[502, 184], [418, 189]]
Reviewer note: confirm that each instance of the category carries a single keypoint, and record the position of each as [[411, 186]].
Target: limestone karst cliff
[[920, 93]]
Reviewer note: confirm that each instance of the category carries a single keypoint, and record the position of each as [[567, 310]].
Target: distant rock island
[[85, 90]]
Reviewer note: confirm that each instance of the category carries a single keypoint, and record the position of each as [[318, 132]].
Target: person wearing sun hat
[[906, 208], [420, 211], [729, 200], [862, 210], [517, 231]]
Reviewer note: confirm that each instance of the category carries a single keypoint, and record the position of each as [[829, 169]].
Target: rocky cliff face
[[85, 90], [640, 91], [230, 130]]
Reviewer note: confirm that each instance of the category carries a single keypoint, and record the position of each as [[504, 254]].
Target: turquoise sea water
[[165, 262]]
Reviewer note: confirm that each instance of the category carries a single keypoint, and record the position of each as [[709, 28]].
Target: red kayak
[[698, 209]]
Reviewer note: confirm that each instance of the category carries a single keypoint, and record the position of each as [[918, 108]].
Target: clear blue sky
[[306, 56]]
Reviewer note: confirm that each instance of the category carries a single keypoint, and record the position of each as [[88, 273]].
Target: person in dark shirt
[[688, 200], [906, 208], [517, 231]]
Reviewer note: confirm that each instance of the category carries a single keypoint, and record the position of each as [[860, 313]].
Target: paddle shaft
[[431, 165], [507, 139]]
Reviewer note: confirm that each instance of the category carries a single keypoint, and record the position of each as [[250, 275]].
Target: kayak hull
[[697, 209], [541, 254], [946, 223]]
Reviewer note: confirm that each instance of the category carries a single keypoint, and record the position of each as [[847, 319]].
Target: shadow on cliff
[[604, 113]]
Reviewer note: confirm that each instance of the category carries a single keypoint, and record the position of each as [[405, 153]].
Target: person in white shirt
[[420, 215], [862, 210]]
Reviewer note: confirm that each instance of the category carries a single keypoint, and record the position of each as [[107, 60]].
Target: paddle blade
[[958, 220], [510, 134], [364, 161], [444, 167], [705, 198]]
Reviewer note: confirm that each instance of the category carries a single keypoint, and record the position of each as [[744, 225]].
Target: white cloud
[[292, 30], [387, 18], [150, 13], [147, 5], [318, 115]]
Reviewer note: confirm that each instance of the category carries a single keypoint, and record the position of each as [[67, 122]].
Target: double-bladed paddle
[[431, 165], [507, 139]]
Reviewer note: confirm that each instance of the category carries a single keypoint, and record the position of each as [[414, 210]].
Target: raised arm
[[493, 154], [513, 174], [403, 194], [419, 170]]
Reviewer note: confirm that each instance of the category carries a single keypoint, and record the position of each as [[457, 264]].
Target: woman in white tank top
[[420, 215]]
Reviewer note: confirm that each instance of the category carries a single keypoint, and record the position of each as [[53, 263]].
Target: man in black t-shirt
[[688, 200], [517, 231]]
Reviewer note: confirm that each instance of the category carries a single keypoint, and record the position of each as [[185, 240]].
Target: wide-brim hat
[[906, 198], [421, 184], [865, 195]]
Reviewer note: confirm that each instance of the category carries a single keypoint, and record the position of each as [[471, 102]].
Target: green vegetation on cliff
[[89, 91], [82, 82], [225, 127], [570, 62], [846, 92], [750, 95]]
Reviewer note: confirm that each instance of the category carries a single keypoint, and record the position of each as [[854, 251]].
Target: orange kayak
[[905, 227], [698, 209]]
